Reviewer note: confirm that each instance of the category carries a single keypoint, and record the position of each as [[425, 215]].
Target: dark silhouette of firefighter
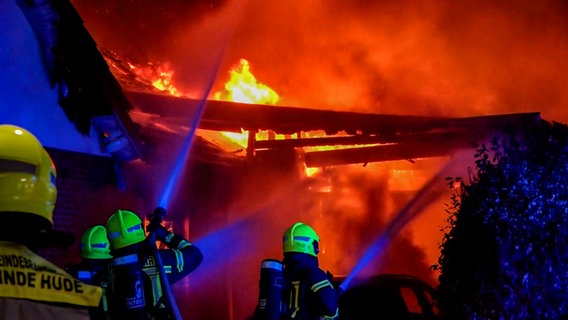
[[31, 287], [308, 292], [136, 287], [95, 260]]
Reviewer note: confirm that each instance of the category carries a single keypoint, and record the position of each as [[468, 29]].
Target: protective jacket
[[309, 294], [179, 260], [94, 272], [91, 271], [33, 288]]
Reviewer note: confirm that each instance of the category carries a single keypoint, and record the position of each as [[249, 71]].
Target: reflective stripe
[[269, 264], [334, 317], [134, 228], [152, 271], [302, 238], [82, 275], [179, 259], [98, 245], [168, 269], [126, 259], [169, 237], [116, 234], [183, 244], [321, 284], [294, 299]]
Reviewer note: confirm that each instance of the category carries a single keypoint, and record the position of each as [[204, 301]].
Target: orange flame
[[159, 76], [243, 87]]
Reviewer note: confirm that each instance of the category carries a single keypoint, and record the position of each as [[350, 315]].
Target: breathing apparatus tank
[[127, 300], [126, 283], [271, 287]]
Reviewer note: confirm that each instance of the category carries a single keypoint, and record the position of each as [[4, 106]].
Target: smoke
[[368, 222], [456, 59], [403, 57], [463, 58]]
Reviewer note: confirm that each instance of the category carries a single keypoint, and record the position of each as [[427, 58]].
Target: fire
[[159, 76], [243, 87], [311, 171]]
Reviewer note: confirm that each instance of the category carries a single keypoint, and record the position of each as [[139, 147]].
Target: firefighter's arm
[[327, 296], [187, 255], [185, 251], [181, 258]]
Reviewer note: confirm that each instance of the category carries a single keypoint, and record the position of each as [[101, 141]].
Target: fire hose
[[168, 297]]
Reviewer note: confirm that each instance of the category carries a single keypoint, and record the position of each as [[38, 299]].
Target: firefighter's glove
[[159, 230]]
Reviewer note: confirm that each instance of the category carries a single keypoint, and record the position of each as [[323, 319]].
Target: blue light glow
[[179, 166], [27, 98], [428, 194], [231, 244]]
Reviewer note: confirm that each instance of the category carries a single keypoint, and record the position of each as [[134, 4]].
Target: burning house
[[242, 167]]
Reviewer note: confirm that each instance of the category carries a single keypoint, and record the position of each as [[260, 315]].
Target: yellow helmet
[[301, 238], [95, 244], [124, 228], [27, 174]]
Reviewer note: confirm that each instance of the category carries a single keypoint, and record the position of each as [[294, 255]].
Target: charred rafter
[[409, 150], [429, 138], [377, 137], [234, 117]]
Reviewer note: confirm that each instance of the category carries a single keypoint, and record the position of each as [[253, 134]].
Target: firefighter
[[309, 294], [95, 256], [95, 260], [132, 254], [31, 287]]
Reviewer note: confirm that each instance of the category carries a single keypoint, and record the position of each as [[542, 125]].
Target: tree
[[504, 252]]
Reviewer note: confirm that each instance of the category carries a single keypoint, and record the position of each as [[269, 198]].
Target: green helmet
[[124, 228], [301, 238], [95, 244], [27, 175]]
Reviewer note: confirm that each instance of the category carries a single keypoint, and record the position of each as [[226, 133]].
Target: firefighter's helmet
[[95, 244], [27, 175], [124, 228], [301, 238]]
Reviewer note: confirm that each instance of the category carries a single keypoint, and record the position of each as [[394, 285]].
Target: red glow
[[447, 58]]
